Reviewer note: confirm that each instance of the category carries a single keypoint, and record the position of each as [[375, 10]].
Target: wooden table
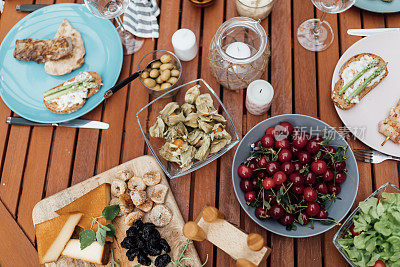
[[39, 161]]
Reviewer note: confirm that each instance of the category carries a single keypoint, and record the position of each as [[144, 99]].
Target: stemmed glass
[[317, 34], [110, 9]]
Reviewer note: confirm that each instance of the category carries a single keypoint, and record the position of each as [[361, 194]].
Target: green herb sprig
[[88, 236], [179, 261]]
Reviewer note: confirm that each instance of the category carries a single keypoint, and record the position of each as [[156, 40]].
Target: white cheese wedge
[[53, 235], [95, 253]]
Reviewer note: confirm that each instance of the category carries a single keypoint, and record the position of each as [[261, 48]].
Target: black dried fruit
[[140, 243], [162, 260], [150, 233], [128, 243], [149, 225], [163, 244], [138, 225], [132, 253], [132, 232], [143, 259], [154, 251]]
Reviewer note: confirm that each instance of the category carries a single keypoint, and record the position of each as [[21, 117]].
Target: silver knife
[[368, 32], [73, 123], [28, 8]]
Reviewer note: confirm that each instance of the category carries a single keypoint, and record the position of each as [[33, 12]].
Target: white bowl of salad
[[371, 234]]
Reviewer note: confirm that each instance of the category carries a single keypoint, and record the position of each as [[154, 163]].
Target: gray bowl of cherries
[[295, 175]]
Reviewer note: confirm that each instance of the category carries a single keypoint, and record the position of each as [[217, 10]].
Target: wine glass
[[317, 34], [110, 9]]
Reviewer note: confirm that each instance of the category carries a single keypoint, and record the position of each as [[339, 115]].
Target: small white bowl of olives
[[161, 71]]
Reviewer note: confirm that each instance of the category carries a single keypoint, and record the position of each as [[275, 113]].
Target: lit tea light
[[238, 50], [259, 97], [185, 45]]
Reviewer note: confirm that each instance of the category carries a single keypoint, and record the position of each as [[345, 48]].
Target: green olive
[[158, 80], [144, 75], [157, 87], [167, 66], [165, 85], [154, 73], [175, 73], [172, 80], [166, 58], [165, 75], [149, 82], [156, 64]]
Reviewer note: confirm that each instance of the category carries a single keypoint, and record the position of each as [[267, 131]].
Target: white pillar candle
[[238, 50], [185, 45], [259, 96]]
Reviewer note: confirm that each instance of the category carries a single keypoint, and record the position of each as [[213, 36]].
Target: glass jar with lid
[[239, 53]]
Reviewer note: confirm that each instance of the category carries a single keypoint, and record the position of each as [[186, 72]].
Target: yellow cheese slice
[[95, 253], [53, 235], [91, 205]]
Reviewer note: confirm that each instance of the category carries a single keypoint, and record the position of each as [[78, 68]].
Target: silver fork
[[372, 156]]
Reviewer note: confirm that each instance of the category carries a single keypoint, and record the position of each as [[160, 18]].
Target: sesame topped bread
[[65, 101], [349, 71]]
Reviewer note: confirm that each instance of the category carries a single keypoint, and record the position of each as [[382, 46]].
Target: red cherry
[[323, 214], [296, 178], [261, 213], [300, 140], [331, 149], [246, 185], [322, 188], [295, 151], [287, 167], [313, 209], [319, 167], [250, 197], [277, 211], [334, 189], [305, 218], [304, 157], [253, 165], [280, 144], [353, 232], [268, 183], [262, 162], [272, 167], [279, 177], [340, 166], [313, 146], [379, 263], [328, 175], [254, 182], [270, 198], [298, 189], [310, 194], [297, 166], [310, 178], [288, 127], [244, 171], [284, 155], [287, 219], [267, 141], [340, 177], [261, 174], [270, 131]]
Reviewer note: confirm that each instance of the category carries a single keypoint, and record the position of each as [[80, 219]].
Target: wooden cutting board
[[45, 210]]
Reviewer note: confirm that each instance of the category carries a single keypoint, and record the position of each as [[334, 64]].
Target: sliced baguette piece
[[53, 235], [339, 100], [54, 107], [95, 253]]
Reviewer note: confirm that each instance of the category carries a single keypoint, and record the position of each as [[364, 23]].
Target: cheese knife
[[77, 123], [28, 8], [368, 32]]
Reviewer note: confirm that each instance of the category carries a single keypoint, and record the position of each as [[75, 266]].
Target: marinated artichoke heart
[[188, 109], [192, 120], [157, 130], [203, 152], [192, 94], [192, 131], [175, 132]]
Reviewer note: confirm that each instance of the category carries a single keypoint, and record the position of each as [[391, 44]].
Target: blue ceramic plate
[[349, 188], [379, 6], [22, 83]]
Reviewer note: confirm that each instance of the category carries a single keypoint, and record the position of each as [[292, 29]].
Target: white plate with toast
[[362, 119], [22, 84]]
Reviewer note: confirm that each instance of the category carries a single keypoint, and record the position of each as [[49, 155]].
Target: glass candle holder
[[239, 53], [255, 9]]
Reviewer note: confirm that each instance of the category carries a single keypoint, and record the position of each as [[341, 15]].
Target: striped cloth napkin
[[141, 18]]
